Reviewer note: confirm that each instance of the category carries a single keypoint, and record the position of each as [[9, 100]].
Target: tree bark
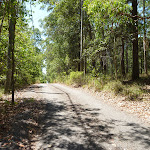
[[93, 63], [122, 59], [114, 57], [135, 65], [144, 39], [101, 64], [10, 61], [127, 61], [141, 65], [81, 39], [105, 63]]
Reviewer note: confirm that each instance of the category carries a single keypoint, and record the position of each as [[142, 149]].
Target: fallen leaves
[[29, 112], [139, 108]]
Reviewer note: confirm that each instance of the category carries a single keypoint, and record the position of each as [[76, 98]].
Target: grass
[[1, 92], [74, 78], [131, 90], [114, 86]]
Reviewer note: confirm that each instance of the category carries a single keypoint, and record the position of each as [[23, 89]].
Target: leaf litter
[[19, 122]]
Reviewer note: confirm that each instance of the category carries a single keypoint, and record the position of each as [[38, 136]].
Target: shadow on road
[[63, 128], [67, 127]]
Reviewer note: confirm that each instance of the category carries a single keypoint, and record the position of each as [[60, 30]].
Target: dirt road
[[74, 120]]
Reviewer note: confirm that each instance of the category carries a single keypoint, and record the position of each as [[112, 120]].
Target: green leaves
[[106, 12], [63, 30]]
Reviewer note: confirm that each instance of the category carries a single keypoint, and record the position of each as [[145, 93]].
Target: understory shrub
[[95, 83], [133, 92], [114, 86], [77, 78], [62, 78], [1, 92]]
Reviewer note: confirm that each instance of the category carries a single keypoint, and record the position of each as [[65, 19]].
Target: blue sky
[[37, 14]]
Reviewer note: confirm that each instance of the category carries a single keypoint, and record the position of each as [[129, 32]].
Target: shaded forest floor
[[19, 123]]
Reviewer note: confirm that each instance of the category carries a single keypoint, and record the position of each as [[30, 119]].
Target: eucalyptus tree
[[14, 24], [62, 28], [10, 55], [144, 6], [135, 67], [109, 23]]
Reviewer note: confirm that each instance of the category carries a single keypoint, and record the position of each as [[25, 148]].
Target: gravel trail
[[75, 120]]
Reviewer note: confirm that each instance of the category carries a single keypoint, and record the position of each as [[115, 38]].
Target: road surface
[[75, 120]]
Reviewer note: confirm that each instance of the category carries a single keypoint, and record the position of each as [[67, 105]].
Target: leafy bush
[[132, 92], [114, 86], [77, 78], [62, 78], [2, 80], [95, 83], [1, 92]]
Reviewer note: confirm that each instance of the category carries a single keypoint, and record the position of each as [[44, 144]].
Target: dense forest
[[97, 37], [90, 38]]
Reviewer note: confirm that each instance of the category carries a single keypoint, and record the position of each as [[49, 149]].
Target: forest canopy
[[97, 37], [21, 59]]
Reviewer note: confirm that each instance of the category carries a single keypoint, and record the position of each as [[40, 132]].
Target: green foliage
[[95, 83], [114, 86], [28, 59], [77, 78], [1, 92], [105, 13], [28, 56], [62, 43], [2, 80], [132, 91]]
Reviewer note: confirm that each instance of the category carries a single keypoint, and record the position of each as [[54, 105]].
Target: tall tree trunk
[[13, 24], [122, 59], [84, 56], [114, 57], [141, 65], [105, 63], [81, 39], [104, 54], [10, 61], [101, 64], [127, 60], [93, 63], [144, 39], [135, 65]]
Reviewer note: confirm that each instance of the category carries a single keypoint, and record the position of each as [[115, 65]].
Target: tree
[[62, 28], [135, 65], [24, 58], [107, 41], [3, 16], [144, 39], [10, 59]]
